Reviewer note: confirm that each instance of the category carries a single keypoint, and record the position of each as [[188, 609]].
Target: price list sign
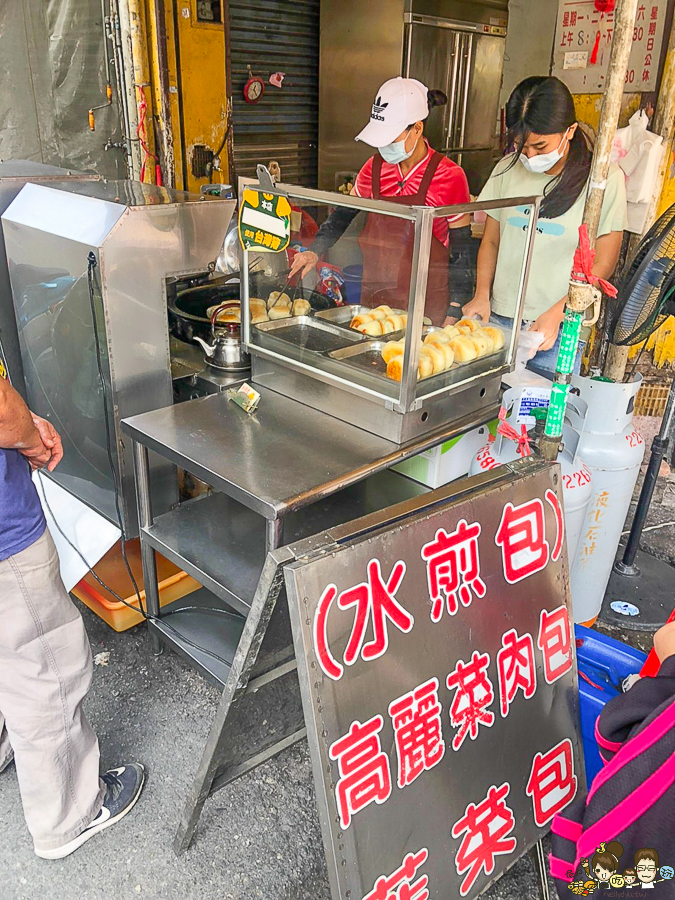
[[437, 665], [584, 38]]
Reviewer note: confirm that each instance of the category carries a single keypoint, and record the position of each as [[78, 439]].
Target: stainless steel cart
[[283, 474]]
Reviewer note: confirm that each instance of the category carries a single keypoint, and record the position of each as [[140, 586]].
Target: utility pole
[[582, 295]]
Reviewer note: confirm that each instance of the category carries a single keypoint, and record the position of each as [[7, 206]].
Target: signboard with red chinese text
[[583, 40], [437, 666]]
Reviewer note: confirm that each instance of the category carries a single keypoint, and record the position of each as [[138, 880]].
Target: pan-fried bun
[[391, 349], [496, 334], [463, 348], [465, 325]]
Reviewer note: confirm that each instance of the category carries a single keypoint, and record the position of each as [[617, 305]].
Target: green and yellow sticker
[[264, 222]]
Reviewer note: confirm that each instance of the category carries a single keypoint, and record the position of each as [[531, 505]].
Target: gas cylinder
[[576, 476], [613, 450]]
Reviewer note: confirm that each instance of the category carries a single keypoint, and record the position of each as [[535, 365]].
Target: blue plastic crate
[[606, 663]]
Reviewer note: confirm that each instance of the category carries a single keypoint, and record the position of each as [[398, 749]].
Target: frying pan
[[187, 309]]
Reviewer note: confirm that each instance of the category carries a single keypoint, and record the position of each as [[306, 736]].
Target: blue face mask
[[395, 153]]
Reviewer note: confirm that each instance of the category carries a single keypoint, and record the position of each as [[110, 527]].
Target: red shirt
[[448, 186]]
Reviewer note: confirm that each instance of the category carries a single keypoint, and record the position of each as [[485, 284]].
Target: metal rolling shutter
[[276, 36]]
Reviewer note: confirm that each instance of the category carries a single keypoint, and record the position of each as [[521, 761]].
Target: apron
[[387, 246]]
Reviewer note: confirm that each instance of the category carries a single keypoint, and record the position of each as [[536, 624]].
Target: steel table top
[[282, 457]]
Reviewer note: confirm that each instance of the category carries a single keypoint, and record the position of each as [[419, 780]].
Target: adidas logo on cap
[[378, 108]]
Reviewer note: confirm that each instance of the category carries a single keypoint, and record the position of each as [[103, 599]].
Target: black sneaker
[[123, 788]]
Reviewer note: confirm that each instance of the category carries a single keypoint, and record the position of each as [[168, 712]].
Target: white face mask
[[543, 162], [395, 153]]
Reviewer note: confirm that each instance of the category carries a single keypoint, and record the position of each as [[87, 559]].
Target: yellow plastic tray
[[173, 584]]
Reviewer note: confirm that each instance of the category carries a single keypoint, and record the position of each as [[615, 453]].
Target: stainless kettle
[[225, 351]]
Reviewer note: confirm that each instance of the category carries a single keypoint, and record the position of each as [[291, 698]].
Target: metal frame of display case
[[409, 399]]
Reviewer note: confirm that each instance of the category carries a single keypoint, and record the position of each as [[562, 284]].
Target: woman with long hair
[[551, 156]]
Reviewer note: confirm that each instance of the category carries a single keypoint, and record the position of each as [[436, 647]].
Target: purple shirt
[[22, 521]]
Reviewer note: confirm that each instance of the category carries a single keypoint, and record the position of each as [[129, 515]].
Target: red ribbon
[[594, 54], [582, 270], [508, 431]]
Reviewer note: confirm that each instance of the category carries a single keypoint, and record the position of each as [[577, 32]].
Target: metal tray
[[309, 333], [342, 315], [367, 357]]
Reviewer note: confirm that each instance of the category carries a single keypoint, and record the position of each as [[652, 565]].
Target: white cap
[[399, 103]]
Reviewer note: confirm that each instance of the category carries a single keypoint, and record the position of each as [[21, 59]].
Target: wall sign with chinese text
[[436, 661], [583, 40], [264, 222]]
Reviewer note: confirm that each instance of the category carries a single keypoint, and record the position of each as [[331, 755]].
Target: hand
[[305, 261], [549, 324], [479, 306], [50, 439], [38, 455], [664, 641]]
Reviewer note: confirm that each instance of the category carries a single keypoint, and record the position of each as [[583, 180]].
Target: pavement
[[257, 838]]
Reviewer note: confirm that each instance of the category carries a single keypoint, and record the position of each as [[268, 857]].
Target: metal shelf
[[221, 543], [215, 634], [217, 541]]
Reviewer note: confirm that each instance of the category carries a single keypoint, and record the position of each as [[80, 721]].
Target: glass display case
[[397, 359]]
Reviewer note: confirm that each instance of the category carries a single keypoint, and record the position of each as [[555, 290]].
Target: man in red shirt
[[405, 170]]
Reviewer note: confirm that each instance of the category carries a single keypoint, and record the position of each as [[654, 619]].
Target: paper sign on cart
[[264, 222]]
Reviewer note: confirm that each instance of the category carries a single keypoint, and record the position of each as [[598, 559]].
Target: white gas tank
[[613, 449], [576, 476]]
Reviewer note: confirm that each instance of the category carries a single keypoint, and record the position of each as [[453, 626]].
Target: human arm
[[664, 641], [19, 430], [485, 271], [335, 225], [328, 234], [607, 250], [51, 439]]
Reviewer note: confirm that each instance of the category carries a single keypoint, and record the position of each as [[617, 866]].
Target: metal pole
[[626, 565], [229, 143], [538, 857], [142, 96], [105, 24], [143, 499], [166, 131], [120, 73], [581, 295], [122, 33]]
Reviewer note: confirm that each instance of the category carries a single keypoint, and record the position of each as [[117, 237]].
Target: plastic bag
[[638, 152], [529, 343]]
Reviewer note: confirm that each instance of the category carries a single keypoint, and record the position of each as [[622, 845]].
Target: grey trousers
[[45, 673]]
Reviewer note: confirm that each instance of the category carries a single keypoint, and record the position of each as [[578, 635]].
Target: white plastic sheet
[[52, 71], [87, 530]]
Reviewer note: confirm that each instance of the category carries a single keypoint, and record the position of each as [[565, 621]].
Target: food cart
[[308, 472]]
